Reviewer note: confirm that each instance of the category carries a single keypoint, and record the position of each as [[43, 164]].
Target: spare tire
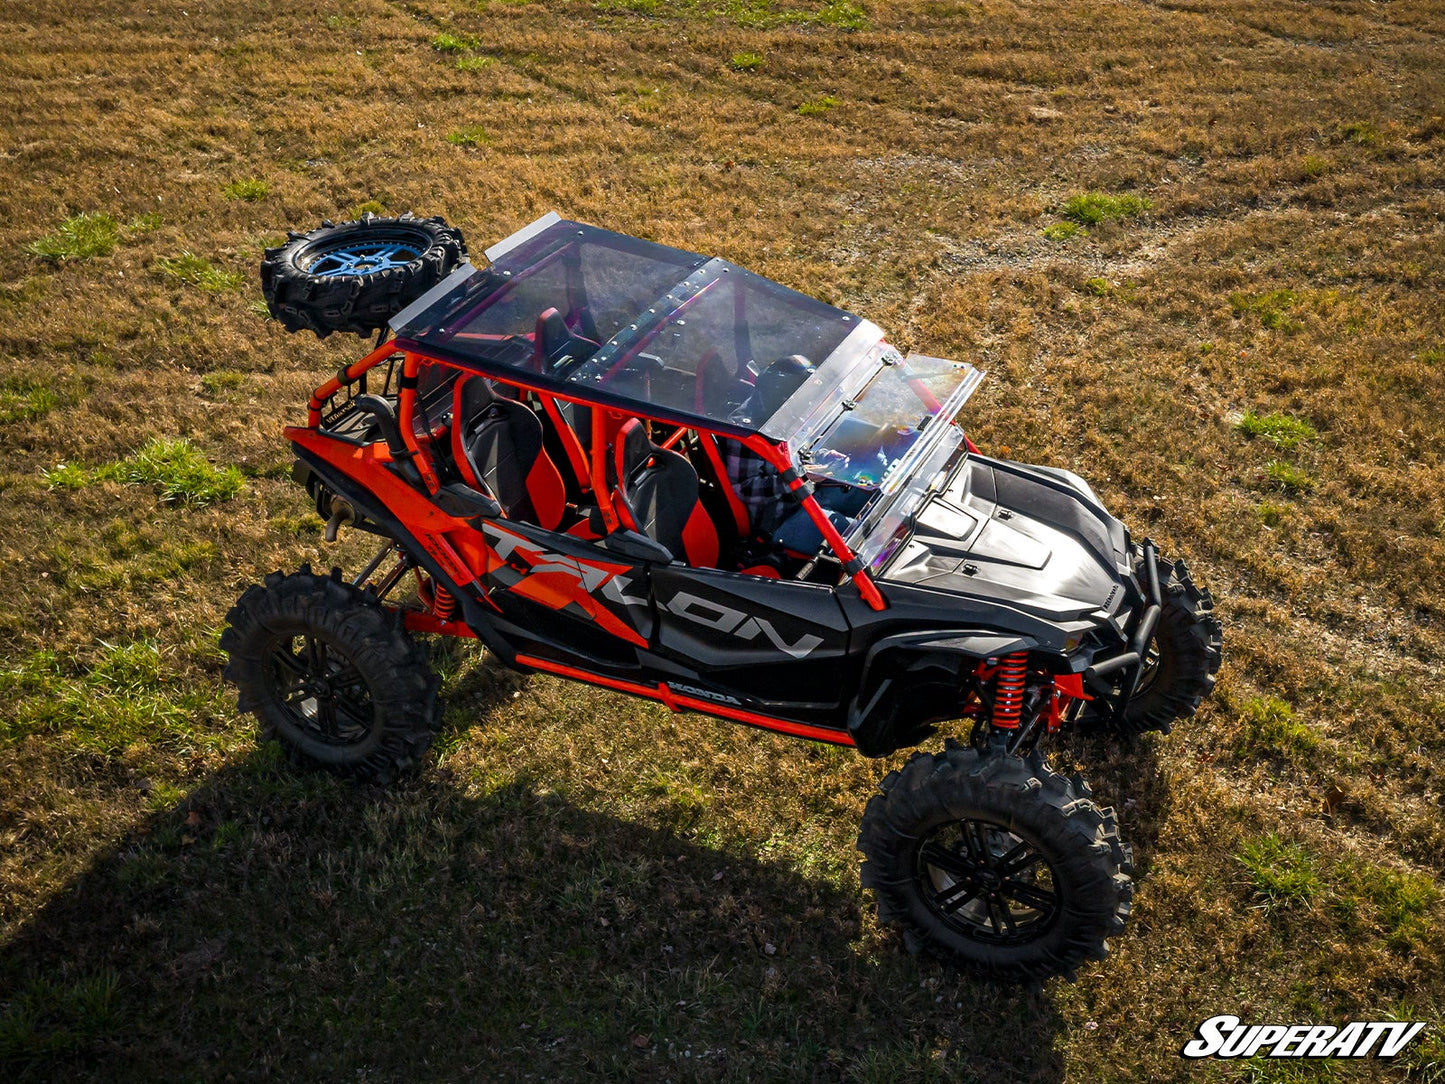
[[355, 276]]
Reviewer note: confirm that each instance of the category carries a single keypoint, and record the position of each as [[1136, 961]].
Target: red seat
[[655, 493], [497, 445]]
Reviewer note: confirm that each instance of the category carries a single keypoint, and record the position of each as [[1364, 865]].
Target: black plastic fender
[[902, 662]]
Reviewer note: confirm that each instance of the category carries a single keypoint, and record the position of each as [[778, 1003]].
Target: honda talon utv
[[658, 473]]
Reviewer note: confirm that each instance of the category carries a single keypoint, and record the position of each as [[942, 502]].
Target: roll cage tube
[[405, 409], [346, 375], [777, 457]]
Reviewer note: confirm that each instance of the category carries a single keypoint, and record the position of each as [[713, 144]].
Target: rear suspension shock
[[1008, 695], [445, 605]]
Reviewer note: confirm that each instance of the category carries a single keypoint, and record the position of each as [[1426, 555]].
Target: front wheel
[[1182, 657], [332, 675], [996, 864]]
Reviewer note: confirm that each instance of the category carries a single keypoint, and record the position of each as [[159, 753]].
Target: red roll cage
[[776, 454]]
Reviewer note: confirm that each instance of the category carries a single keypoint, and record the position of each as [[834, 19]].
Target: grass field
[[1198, 246]]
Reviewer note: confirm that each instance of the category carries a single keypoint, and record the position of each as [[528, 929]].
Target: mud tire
[[335, 278], [1188, 642], [1077, 890], [357, 698]]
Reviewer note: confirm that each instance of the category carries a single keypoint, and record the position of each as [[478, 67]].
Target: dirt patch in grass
[[1258, 197]]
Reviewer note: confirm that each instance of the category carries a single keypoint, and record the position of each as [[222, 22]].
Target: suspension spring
[[1008, 697], [445, 605]]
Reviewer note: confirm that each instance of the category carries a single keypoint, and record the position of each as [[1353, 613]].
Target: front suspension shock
[[1008, 696]]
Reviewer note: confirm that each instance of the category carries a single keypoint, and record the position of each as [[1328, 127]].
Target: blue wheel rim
[[360, 257]]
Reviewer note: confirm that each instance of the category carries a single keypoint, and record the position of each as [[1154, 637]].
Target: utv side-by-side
[[661, 474]]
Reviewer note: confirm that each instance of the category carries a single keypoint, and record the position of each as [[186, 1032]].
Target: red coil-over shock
[[436, 598], [1008, 690]]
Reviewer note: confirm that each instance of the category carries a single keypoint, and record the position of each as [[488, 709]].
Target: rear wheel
[[355, 276], [996, 864], [331, 675]]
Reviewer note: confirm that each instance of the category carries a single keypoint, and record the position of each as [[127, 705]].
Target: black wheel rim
[[322, 692], [987, 882]]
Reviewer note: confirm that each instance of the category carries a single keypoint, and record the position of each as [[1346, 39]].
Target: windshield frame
[[919, 472]]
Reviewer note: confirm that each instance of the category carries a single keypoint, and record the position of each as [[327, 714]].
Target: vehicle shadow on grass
[[283, 924]]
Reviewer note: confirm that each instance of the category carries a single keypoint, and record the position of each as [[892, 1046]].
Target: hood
[[1031, 538]]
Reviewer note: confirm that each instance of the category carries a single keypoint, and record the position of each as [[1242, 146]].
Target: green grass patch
[[474, 63], [1314, 166], [1288, 477], [221, 381], [129, 696], [123, 556], [199, 271], [1098, 287], [51, 1018], [473, 135], [1396, 902], [746, 62], [1360, 132], [1091, 208], [25, 398], [753, 14], [1272, 308], [1063, 231], [249, 191], [1272, 515], [454, 43], [79, 237], [1282, 874], [177, 468], [1269, 726], [817, 107], [1281, 430], [144, 223]]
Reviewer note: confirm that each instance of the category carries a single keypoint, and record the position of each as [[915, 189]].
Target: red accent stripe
[[768, 572], [678, 702], [570, 441], [699, 538], [548, 495]]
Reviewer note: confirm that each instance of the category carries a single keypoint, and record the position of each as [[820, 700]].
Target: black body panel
[[769, 640]]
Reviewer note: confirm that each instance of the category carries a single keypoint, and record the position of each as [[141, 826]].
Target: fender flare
[[873, 720]]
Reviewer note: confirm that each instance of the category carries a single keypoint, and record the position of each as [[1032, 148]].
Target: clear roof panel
[[723, 343], [661, 327]]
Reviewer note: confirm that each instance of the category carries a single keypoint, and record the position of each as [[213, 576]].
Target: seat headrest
[[777, 384], [552, 334], [631, 450], [473, 395]]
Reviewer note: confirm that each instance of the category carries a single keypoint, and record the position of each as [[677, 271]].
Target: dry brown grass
[[542, 901]]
